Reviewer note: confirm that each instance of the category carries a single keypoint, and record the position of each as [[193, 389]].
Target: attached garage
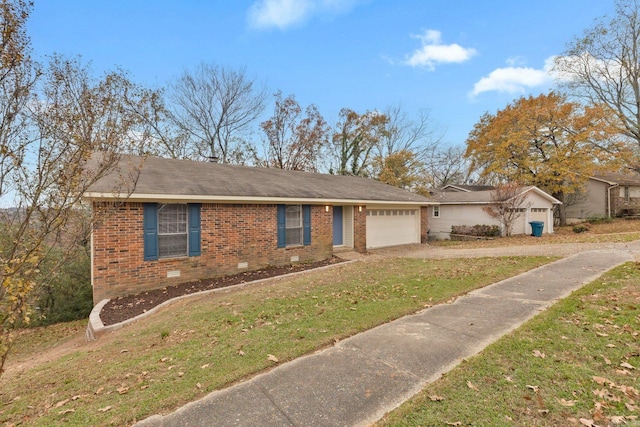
[[391, 226]]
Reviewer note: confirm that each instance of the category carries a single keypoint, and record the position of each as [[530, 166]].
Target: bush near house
[[581, 228], [478, 230]]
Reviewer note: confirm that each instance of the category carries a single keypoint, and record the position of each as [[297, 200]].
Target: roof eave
[[97, 196]]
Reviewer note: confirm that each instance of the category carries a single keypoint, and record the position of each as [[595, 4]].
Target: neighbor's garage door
[[540, 214], [389, 227]]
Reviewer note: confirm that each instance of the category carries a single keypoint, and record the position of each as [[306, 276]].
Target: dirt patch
[[123, 308]]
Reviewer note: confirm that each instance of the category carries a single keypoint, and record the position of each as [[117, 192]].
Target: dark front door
[[337, 226]]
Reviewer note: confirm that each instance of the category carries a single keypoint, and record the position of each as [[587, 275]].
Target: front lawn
[[576, 364], [196, 346]]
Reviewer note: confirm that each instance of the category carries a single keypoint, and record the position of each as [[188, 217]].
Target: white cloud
[[283, 14], [514, 79], [433, 52]]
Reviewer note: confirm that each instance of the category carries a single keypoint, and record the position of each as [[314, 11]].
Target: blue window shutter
[[282, 221], [150, 227], [194, 229], [306, 224]]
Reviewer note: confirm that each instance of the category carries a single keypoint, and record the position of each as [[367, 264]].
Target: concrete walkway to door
[[361, 378]]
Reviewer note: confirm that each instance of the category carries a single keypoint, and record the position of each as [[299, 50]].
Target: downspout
[[609, 198]]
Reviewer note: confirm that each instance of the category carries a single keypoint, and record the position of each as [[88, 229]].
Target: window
[[436, 211], [294, 225], [171, 230]]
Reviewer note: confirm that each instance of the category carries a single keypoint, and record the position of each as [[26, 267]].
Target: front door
[[337, 226]]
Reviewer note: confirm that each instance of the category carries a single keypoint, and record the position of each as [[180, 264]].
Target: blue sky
[[456, 58]]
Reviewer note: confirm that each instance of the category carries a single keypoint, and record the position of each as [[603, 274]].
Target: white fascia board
[[243, 199]]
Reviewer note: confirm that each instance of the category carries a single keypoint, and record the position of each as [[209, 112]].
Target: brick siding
[[230, 234]]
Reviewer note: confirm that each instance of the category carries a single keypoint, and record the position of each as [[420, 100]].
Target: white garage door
[[540, 214], [389, 227]]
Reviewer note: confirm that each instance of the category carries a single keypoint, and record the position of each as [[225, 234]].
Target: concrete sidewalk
[[361, 378]]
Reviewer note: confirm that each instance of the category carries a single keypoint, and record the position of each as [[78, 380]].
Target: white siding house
[[457, 208]]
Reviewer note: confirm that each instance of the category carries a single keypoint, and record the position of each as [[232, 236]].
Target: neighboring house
[[468, 208], [184, 221], [609, 195]]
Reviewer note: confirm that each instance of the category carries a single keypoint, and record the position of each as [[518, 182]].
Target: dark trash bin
[[536, 228]]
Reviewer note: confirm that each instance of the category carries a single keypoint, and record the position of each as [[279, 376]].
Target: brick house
[[608, 195], [165, 221]]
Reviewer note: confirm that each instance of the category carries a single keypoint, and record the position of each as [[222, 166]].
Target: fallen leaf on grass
[[99, 390], [61, 403], [122, 390], [435, 398], [601, 380], [66, 411], [471, 386], [631, 407], [627, 365], [198, 386], [586, 422], [565, 402], [272, 358], [606, 361], [602, 334], [535, 388], [618, 419], [457, 423], [240, 353], [205, 366], [105, 409], [538, 353]]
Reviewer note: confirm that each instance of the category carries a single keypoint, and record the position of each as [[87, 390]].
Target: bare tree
[[294, 140], [213, 108], [508, 203], [66, 119], [419, 136], [446, 165], [603, 67]]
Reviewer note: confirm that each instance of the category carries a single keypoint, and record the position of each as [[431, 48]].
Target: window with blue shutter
[[194, 229], [171, 230], [294, 225], [282, 221], [306, 221], [150, 226]]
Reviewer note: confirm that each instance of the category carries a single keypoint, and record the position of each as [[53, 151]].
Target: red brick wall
[[230, 234], [360, 229]]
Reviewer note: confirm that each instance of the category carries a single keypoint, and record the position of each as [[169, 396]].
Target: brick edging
[[95, 328]]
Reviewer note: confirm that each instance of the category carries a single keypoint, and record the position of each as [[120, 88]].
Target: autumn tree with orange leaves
[[548, 142]]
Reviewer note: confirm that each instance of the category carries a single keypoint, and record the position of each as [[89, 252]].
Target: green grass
[[197, 346], [585, 339]]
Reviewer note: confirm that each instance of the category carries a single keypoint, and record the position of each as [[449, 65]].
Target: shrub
[[478, 230], [581, 228], [600, 220], [64, 295]]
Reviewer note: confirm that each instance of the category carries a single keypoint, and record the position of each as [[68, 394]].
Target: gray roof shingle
[[186, 179]]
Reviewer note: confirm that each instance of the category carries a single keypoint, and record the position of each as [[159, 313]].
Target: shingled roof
[[170, 179], [481, 197]]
